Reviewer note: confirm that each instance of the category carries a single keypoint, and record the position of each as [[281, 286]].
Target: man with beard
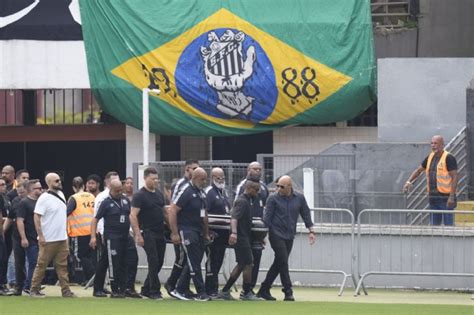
[[27, 244], [50, 223], [217, 203], [93, 184]]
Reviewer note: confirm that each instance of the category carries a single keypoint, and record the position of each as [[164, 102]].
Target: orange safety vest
[[79, 221], [443, 179]]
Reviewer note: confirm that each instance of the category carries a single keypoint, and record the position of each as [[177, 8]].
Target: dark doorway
[[242, 149], [70, 159]]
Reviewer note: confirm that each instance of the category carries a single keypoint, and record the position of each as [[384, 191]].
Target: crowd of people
[[102, 229]]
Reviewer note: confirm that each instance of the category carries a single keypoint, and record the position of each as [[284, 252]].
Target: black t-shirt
[[451, 165], [192, 202], [25, 210], [4, 205], [151, 205], [12, 194], [116, 215], [242, 211], [261, 200]]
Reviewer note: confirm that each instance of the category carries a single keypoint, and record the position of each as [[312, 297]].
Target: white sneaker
[[179, 296]]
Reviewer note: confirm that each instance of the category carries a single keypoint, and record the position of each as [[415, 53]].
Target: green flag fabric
[[230, 67]]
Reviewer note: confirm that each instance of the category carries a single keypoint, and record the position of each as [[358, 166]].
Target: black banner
[[40, 20]]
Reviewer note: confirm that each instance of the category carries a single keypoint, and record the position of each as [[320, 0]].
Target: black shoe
[[107, 291], [132, 294], [17, 292], [117, 295], [99, 294], [169, 288], [265, 294], [202, 297], [155, 296], [289, 297], [190, 294]]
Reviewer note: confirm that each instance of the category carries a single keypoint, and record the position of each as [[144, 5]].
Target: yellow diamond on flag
[[227, 71]]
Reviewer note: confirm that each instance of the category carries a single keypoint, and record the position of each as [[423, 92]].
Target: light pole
[[146, 121]]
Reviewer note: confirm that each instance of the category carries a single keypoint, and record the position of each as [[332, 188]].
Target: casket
[[221, 224]]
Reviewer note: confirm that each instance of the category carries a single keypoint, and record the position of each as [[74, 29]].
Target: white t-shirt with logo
[[53, 216]]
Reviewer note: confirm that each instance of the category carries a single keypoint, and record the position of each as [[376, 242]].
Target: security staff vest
[[79, 221], [443, 179]]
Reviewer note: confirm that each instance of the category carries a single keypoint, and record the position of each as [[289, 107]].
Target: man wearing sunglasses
[[254, 170], [50, 222], [281, 217]]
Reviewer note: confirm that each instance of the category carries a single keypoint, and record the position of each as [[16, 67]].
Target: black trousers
[[257, 257], [179, 263], [215, 256], [8, 243], [3, 262], [84, 254], [102, 265], [116, 252], [132, 263], [193, 245], [155, 247], [282, 249]]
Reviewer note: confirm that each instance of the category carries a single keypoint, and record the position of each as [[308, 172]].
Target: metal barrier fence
[[333, 253], [393, 249]]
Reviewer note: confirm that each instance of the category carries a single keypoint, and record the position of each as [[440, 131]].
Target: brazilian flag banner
[[230, 67]]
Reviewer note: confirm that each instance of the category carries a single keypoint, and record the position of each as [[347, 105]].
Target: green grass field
[[310, 301]]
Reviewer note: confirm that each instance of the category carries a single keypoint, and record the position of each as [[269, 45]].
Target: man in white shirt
[[50, 219]]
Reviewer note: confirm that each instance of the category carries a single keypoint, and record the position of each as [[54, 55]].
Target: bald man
[[217, 203], [8, 174], [50, 222], [189, 229], [115, 210], [441, 172], [281, 216]]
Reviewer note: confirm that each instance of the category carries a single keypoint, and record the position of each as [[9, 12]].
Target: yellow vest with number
[[443, 179], [79, 221]]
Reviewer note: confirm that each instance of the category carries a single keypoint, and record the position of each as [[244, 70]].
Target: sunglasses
[[219, 178], [281, 186]]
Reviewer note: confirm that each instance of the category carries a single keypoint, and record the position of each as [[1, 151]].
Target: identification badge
[[203, 213], [122, 218], [261, 203]]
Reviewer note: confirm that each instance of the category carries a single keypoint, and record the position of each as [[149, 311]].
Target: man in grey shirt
[[281, 216]]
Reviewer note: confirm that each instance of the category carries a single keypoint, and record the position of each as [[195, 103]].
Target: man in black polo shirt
[[281, 215], [188, 223], [115, 210], [147, 220], [217, 203], [180, 256], [254, 170], [240, 238]]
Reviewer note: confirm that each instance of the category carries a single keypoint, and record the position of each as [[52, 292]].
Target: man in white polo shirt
[[50, 222]]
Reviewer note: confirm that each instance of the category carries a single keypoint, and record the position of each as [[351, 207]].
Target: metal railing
[[417, 197], [404, 249]]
